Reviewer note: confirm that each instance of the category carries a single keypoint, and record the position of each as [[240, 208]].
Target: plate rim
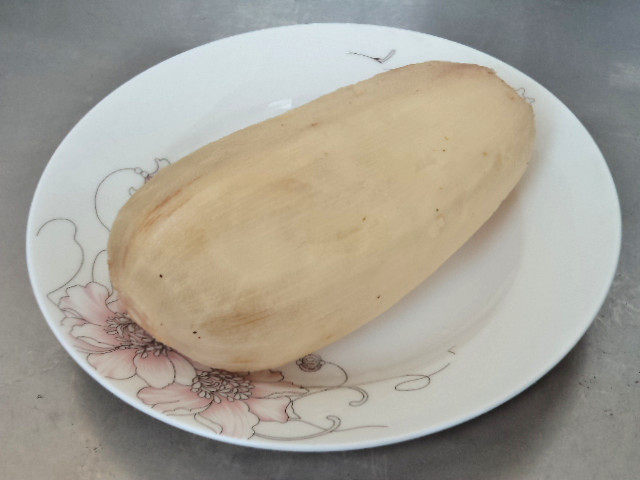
[[353, 444]]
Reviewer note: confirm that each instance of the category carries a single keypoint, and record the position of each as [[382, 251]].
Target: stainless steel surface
[[58, 59]]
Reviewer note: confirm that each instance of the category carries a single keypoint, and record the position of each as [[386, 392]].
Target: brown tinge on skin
[[287, 235]]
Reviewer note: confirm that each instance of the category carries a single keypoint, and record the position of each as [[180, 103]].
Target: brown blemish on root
[[347, 233], [244, 318], [156, 213]]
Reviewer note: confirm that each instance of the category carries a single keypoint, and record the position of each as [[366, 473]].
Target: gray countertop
[[58, 59]]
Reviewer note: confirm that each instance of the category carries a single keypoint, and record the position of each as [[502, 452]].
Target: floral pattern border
[[233, 404]]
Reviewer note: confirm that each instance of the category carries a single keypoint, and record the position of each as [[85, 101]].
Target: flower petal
[[68, 323], [156, 370], [208, 423], [94, 335], [116, 364], [234, 418], [87, 302], [276, 390], [198, 366], [174, 398], [116, 306], [265, 376], [269, 409], [184, 370]]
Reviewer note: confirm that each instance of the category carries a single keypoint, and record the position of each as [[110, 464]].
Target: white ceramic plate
[[494, 319]]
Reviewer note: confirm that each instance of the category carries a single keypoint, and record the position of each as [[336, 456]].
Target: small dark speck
[[160, 275], [42, 396], [282, 124], [199, 337], [437, 209], [637, 381], [444, 149], [364, 219], [314, 124], [379, 296], [195, 331]]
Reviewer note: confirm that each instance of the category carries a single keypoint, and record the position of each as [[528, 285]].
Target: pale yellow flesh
[[283, 237]]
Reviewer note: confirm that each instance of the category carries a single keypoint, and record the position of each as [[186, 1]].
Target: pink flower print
[[228, 403], [115, 345]]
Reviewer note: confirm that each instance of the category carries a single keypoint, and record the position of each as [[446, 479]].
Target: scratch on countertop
[[625, 75]]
